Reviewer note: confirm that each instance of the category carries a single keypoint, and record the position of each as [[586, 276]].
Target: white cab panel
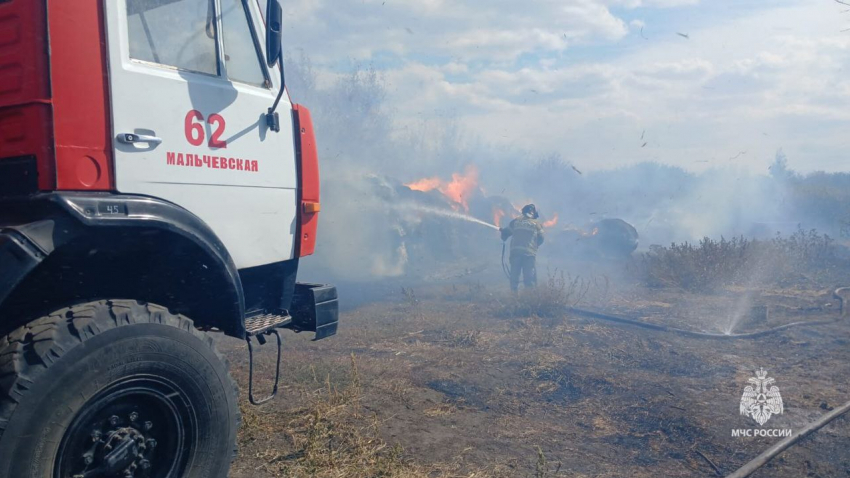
[[217, 158]]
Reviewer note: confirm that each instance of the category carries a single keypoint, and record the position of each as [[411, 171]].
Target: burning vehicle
[[607, 239]]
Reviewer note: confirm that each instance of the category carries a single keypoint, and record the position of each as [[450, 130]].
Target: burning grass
[[711, 264]]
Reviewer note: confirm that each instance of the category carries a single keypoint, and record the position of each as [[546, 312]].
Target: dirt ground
[[439, 380]]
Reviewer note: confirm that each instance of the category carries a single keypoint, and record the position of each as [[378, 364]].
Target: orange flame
[[582, 232], [425, 185], [462, 186], [458, 190], [551, 222], [498, 214], [592, 233]]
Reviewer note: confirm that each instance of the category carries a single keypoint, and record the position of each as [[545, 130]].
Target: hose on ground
[[769, 454], [691, 333], [841, 294], [506, 268], [786, 443]]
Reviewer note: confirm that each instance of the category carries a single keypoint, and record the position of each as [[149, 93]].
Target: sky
[[605, 83]]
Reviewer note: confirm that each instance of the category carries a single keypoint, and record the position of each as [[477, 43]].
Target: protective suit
[[526, 236]]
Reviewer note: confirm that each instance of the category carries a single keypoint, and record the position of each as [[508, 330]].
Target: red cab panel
[[81, 122], [26, 128], [54, 98], [307, 156]]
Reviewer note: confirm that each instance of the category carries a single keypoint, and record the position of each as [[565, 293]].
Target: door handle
[[133, 138]]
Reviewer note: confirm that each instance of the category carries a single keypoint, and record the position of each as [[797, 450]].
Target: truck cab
[[156, 184]]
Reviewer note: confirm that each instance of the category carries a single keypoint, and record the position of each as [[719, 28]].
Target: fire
[[458, 190], [592, 233], [582, 232], [498, 214], [425, 185], [551, 222], [462, 186]]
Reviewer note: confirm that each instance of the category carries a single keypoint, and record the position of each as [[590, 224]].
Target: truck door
[[189, 93]]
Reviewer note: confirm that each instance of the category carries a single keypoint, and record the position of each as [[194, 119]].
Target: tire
[[114, 388]]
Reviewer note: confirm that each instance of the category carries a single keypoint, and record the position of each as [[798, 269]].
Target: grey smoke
[[366, 155]]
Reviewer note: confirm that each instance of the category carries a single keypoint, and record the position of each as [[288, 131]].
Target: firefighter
[[526, 235]]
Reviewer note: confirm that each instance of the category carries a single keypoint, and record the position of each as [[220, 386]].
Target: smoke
[[392, 193]]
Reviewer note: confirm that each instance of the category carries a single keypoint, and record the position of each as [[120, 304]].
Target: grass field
[[463, 380]]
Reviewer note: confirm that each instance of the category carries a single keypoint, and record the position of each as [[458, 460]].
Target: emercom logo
[[760, 401], [761, 432]]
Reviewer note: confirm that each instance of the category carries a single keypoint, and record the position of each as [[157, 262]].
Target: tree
[[779, 169]]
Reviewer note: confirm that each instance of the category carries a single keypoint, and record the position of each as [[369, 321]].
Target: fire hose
[[771, 453], [761, 460], [506, 268], [786, 443], [692, 333]]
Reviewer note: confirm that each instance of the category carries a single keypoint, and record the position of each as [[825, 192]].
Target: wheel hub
[[123, 451], [132, 430]]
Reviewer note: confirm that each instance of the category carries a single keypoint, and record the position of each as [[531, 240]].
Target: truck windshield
[[240, 44], [178, 33]]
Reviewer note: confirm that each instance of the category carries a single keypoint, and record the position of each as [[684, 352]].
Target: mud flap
[[19, 257], [315, 308]]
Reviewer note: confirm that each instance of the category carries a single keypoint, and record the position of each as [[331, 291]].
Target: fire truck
[[157, 185]]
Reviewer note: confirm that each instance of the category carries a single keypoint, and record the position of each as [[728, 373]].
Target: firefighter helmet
[[530, 210]]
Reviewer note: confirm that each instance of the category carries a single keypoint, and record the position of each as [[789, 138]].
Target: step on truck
[[157, 185]]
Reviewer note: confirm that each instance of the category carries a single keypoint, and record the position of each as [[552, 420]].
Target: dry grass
[[711, 264], [467, 392], [333, 436], [441, 410], [330, 437], [550, 299]]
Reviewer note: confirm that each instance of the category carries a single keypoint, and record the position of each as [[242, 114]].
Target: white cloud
[[754, 80], [653, 3], [455, 68], [474, 30]]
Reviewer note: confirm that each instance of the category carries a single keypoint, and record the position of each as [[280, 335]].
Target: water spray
[[456, 215], [445, 213]]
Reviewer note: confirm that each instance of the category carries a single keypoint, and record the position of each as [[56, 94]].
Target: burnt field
[[459, 378]]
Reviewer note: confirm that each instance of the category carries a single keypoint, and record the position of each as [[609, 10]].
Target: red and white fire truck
[[156, 185]]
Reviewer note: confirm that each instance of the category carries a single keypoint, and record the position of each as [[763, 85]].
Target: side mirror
[[274, 21]]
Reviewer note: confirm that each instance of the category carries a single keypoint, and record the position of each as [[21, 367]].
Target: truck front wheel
[[114, 389]]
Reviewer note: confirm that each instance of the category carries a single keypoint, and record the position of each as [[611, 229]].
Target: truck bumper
[[315, 308]]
